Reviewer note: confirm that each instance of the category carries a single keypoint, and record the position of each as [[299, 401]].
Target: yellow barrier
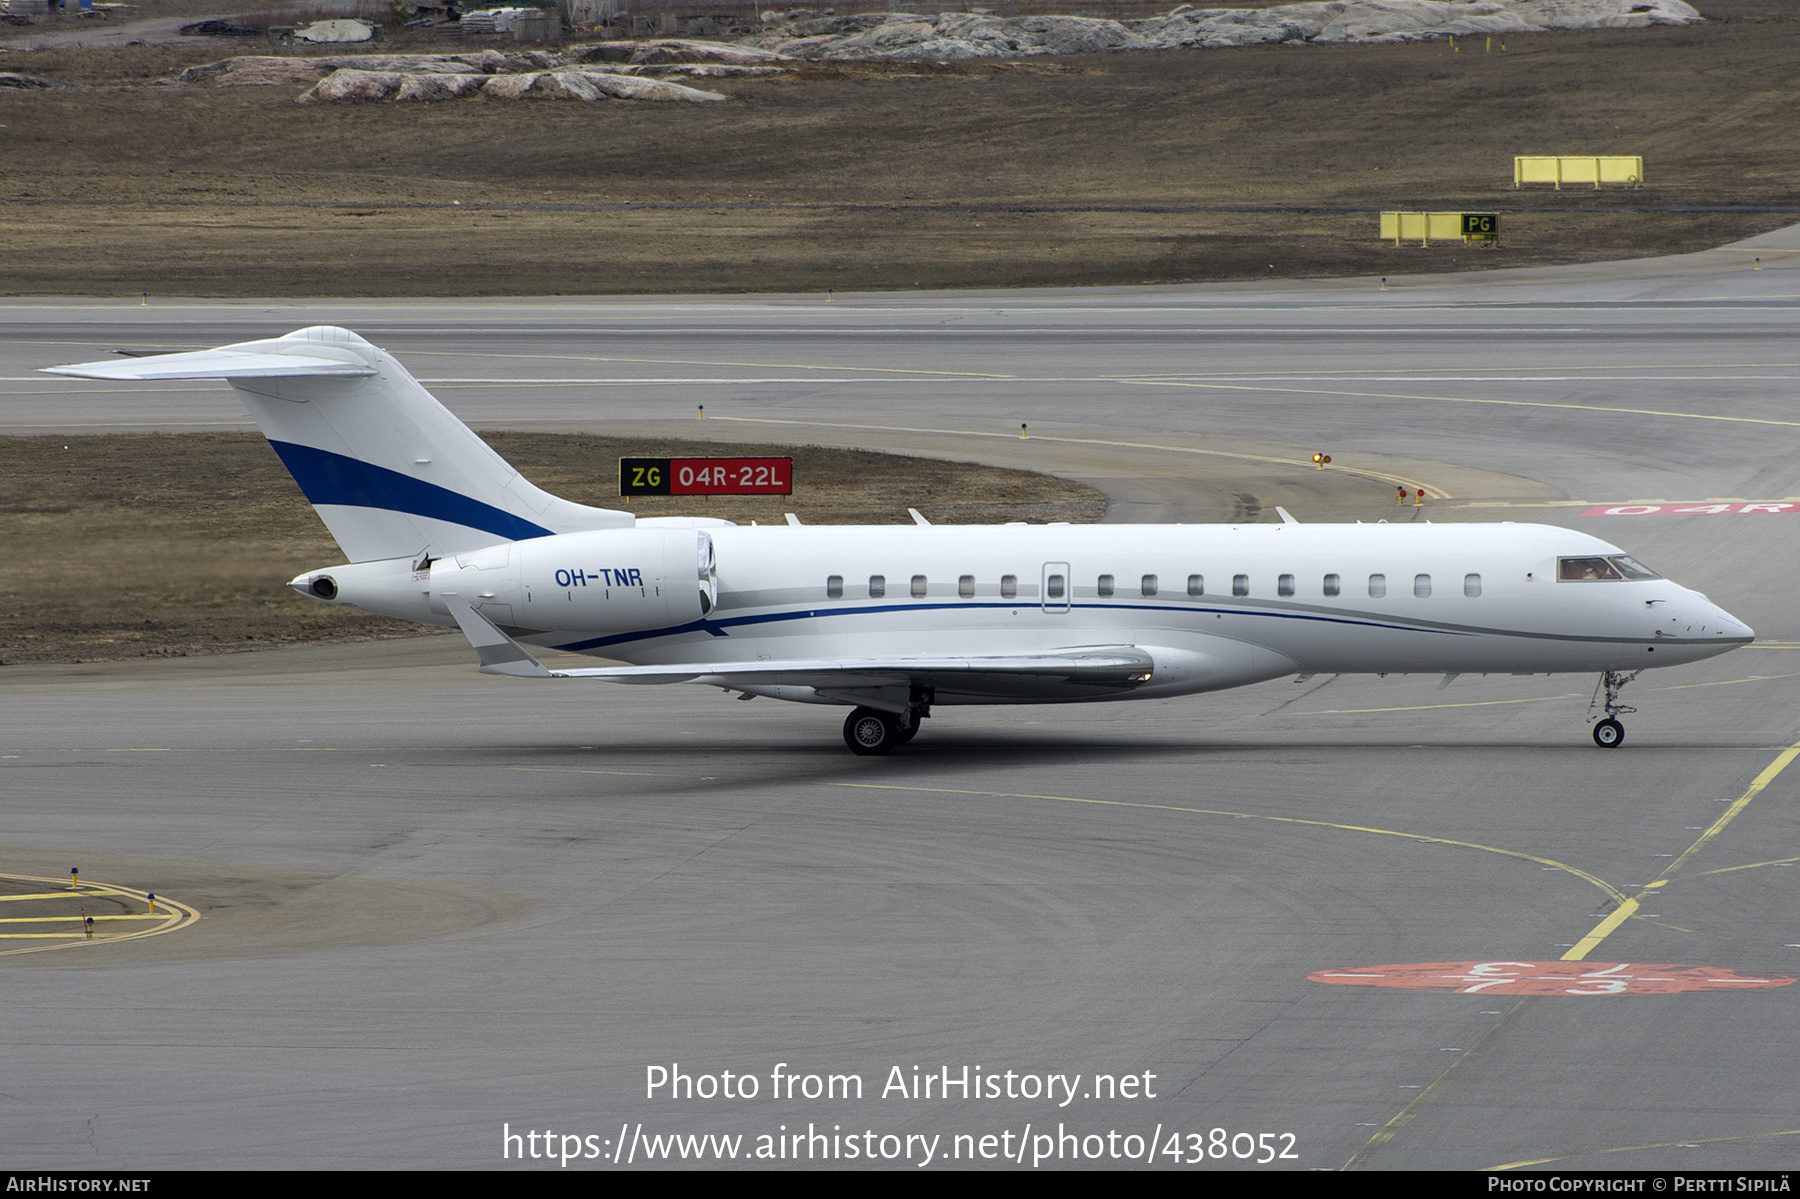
[[1445, 226], [1578, 168]]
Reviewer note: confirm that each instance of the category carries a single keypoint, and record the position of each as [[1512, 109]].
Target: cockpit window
[[1615, 568], [1631, 568], [1583, 569]]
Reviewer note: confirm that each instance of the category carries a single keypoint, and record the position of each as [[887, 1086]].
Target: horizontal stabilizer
[[224, 363], [391, 471]]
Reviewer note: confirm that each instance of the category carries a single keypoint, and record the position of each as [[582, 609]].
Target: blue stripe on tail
[[329, 478]]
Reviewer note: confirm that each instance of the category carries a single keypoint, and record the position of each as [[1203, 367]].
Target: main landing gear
[[869, 731], [1608, 733]]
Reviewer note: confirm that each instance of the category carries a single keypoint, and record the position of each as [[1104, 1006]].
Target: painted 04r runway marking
[[1546, 978], [1747, 508]]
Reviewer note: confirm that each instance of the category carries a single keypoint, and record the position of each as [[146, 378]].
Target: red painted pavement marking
[[1547, 978], [1741, 509]]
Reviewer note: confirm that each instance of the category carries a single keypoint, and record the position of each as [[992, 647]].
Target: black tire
[[1608, 734], [868, 732], [902, 736]]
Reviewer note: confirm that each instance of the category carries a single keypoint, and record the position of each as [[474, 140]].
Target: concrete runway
[[436, 904]]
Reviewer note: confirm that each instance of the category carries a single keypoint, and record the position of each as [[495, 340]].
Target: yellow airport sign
[[1445, 226], [1578, 168]]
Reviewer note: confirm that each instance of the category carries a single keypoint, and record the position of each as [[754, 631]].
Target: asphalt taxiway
[[436, 906]]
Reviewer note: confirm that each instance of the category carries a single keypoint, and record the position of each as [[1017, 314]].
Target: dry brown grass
[[1100, 169], [178, 544]]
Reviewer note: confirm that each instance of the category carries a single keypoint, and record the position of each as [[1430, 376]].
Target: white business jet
[[894, 621]]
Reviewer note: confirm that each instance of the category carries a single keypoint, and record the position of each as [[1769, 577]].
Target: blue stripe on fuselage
[[722, 627], [329, 478]]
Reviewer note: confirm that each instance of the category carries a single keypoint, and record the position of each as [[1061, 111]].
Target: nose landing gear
[[1608, 732]]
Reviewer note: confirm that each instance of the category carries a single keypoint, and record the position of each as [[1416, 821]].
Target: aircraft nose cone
[[1729, 627]]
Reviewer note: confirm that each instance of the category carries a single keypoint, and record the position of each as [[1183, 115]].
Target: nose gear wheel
[[1609, 733]]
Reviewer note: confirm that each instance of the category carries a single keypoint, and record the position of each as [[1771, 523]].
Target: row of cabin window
[[1196, 586], [1378, 586], [965, 586]]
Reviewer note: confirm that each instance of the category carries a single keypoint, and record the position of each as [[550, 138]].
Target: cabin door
[[1055, 593]]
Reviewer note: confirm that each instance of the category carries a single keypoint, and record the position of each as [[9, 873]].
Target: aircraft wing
[[224, 363], [1104, 666], [1116, 666]]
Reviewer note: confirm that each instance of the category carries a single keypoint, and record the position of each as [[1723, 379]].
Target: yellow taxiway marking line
[[1468, 1056], [1542, 1161], [1586, 946], [1611, 891], [1536, 699], [1746, 866], [1769, 774], [1382, 395], [77, 919], [1438, 1086], [761, 366], [175, 914], [1628, 907], [1755, 678], [1436, 493], [1485, 703]]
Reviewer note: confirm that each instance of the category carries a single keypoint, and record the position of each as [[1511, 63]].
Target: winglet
[[499, 653], [1287, 518]]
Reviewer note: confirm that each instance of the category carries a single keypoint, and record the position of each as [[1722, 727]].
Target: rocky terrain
[[952, 36], [581, 73]]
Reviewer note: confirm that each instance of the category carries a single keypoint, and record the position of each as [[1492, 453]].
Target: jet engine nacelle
[[604, 581]]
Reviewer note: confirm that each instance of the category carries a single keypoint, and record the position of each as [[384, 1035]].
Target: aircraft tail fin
[[390, 470]]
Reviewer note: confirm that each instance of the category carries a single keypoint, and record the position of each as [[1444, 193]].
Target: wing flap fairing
[[1099, 666]]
